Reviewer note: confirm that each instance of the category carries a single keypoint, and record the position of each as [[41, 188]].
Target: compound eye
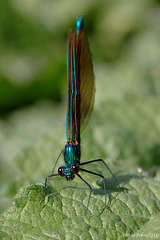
[[60, 171], [75, 168]]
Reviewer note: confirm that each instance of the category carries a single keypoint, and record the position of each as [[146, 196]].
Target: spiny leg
[[49, 176], [104, 182], [101, 160], [89, 193]]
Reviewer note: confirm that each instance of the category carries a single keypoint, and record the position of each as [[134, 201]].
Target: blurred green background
[[124, 39]]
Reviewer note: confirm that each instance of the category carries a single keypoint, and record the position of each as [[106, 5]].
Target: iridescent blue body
[[80, 100], [79, 23], [72, 154], [71, 158]]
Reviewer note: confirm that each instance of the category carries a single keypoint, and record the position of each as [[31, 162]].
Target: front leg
[[90, 188], [49, 176]]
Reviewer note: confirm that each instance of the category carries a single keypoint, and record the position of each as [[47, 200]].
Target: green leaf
[[62, 214]]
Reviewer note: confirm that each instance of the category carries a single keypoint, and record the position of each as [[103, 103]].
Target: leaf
[[62, 214]]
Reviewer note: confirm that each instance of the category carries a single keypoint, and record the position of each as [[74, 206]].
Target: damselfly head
[[68, 171]]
